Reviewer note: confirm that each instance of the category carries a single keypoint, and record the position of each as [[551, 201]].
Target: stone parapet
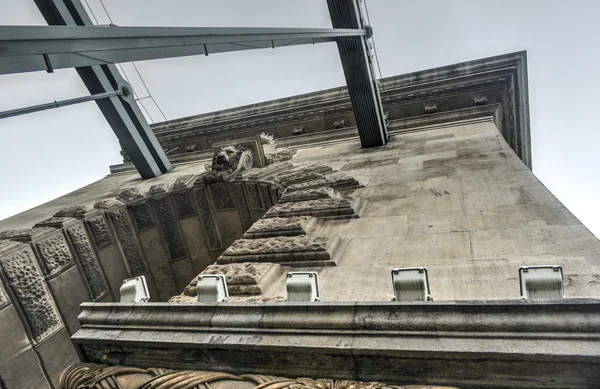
[[470, 344]]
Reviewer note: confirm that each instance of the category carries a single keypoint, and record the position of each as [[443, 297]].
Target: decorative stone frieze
[[264, 194], [54, 254], [127, 241], [281, 226], [107, 203], [338, 181], [221, 197], [23, 235], [210, 228], [242, 278], [181, 196], [253, 196], [54, 222], [28, 285], [99, 231], [76, 211], [88, 261], [237, 189], [131, 196], [337, 208], [308, 194], [170, 228], [299, 176], [104, 376], [304, 250]]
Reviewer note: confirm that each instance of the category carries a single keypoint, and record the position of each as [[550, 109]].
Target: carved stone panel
[[299, 176], [88, 261], [241, 205], [213, 236], [127, 242], [303, 250], [183, 204], [99, 231], [326, 208], [253, 195], [54, 254], [281, 226], [221, 196], [263, 190], [31, 292], [141, 216], [242, 278], [307, 194], [170, 229]]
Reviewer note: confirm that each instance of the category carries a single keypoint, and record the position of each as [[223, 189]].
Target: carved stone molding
[[264, 189], [131, 196], [281, 226], [107, 203], [77, 211], [221, 197], [242, 278], [430, 108], [29, 287], [88, 261], [54, 254], [170, 228], [99, 231], [104, 376], [127, 242], [338, 181], [304, 250], [237, 188], [308, 194], [213, 235], [254, 197], [24, 235], [299, 176], [183, 204], [322, 208], [54, 222], [141, 216]]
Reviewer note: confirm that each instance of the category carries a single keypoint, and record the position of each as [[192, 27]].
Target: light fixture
[[302, 286], [134, 290], [411, 284], [212, 288], [541, 282]]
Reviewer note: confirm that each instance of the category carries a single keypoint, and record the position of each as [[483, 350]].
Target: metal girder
[[34, 48], [122, 114], [359, 73]]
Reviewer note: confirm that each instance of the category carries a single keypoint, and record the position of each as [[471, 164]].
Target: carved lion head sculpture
[[227, 158]]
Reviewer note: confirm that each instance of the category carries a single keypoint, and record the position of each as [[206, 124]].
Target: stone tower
[[452, 192]]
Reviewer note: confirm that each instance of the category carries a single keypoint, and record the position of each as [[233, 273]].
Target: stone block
[[295, 251], [242, 278], [308, 194], [321, 208], [281, 226]]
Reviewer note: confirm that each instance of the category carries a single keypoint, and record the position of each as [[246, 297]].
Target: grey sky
[[47, 154]]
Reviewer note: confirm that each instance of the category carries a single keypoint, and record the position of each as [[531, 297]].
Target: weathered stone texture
[[33, 296], [280, 226], [141, 216], [127, 242], [88, 261], [324, 207], [221, 196], [99, 231], [308, 194], [214, 238], [168, 224], [54, 253]]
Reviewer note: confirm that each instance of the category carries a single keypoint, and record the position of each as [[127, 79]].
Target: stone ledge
[[281, 226], [308, 194], [326, 208], [242, 278], [470, 344], [303, 251]]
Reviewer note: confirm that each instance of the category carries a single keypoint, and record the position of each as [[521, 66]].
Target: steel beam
[[31, 48], [359, 73], [122, 113]]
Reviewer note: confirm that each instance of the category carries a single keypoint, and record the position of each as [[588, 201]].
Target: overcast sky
[[47, 154]]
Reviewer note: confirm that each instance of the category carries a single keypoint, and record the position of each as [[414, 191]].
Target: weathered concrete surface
[[457, 200]]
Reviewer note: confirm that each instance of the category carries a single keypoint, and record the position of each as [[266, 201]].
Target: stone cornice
[[461, 343], [501, 79]]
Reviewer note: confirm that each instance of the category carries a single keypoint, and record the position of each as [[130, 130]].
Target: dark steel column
[[123, 115], [358, 69]]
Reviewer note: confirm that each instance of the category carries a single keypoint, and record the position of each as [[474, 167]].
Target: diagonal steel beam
[[360, 76], [123, 115], [30, 48]]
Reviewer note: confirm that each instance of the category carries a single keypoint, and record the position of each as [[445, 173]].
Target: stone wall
[[82, 253]]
